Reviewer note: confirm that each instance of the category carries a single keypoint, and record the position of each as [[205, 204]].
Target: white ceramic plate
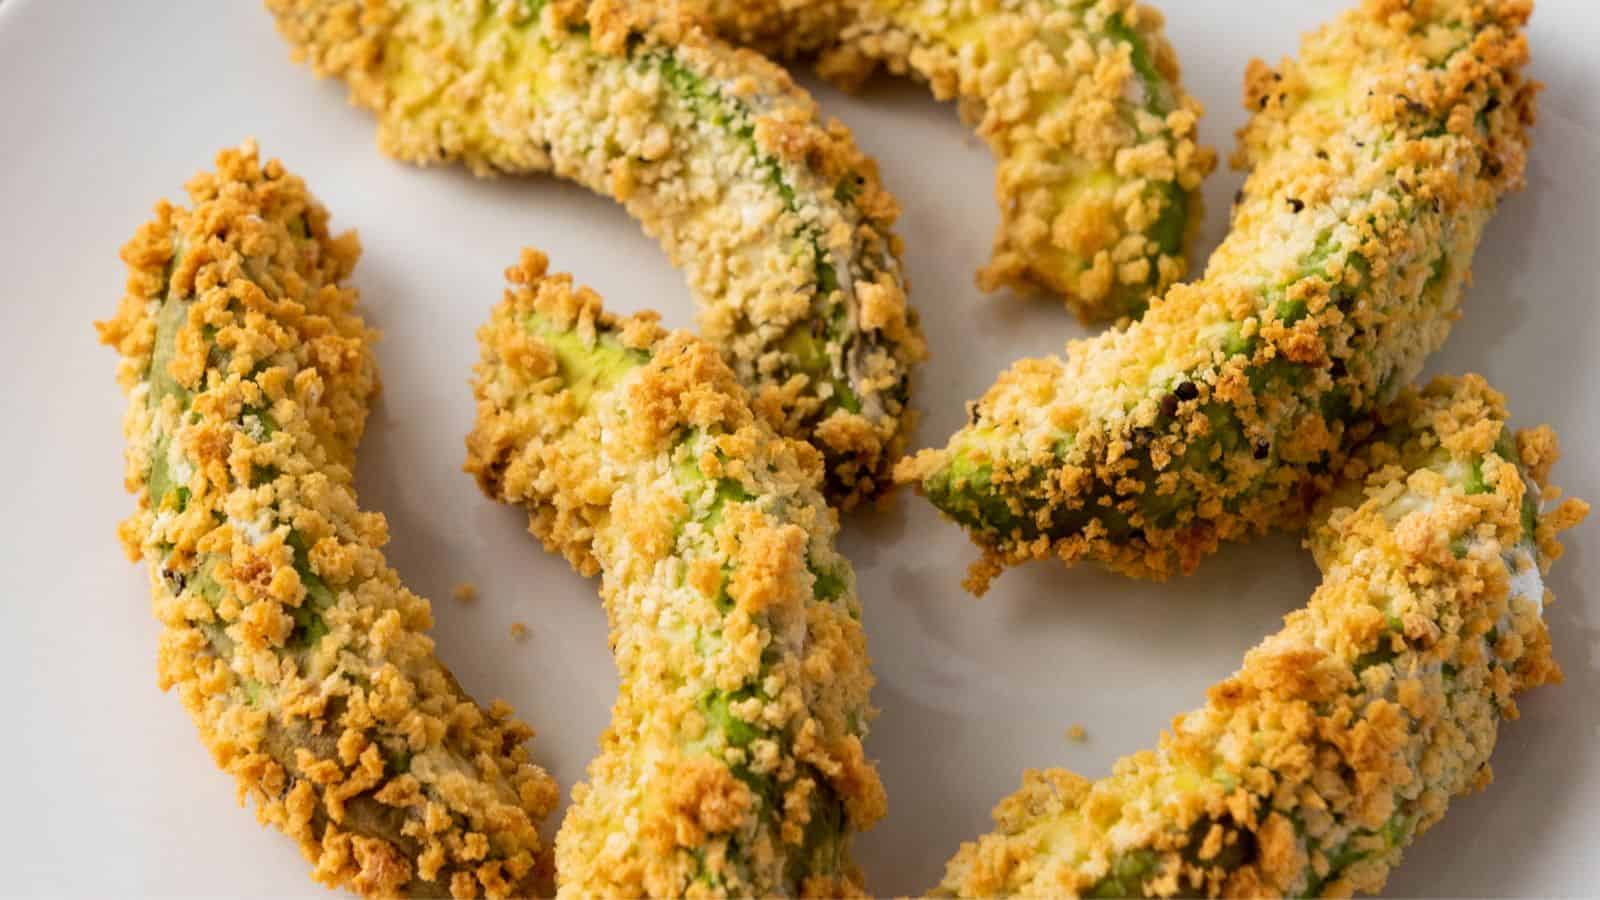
[[107, 106]]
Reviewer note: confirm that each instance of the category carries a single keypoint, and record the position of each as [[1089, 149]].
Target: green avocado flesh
[[588, 366]]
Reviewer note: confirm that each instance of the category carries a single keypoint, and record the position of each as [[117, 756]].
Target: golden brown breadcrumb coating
[[778, 220], [1376, 160], [301, 658], [734, 762], [1344, 735]]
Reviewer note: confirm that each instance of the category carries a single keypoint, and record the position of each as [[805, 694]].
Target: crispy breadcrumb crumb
[[781, 29], [519, 631], [304, 662], [734, 762], [465, 592], [1344, 735], [1076, 733], [779, 221], [1376, 161]]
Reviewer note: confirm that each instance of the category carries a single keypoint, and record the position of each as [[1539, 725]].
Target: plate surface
[[109, 106]]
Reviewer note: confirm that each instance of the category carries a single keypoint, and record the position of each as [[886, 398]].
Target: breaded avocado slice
[[778, 220], [1346, 734], [734, 764], [303, 661]]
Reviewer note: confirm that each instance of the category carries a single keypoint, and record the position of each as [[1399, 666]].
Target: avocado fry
[[301, 658], [1099, 172], [778, 220], [1344, 735], [1376, 161], [734, 763]]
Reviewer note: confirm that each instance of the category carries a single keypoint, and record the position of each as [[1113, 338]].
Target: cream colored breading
[[1099, 170], [1346, 734], [301, 658], [1375, 160], [734, 761], [777, 219]]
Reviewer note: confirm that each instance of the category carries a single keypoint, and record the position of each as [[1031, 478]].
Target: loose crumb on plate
[[1076, 733], [519, 631], [465, 592]]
